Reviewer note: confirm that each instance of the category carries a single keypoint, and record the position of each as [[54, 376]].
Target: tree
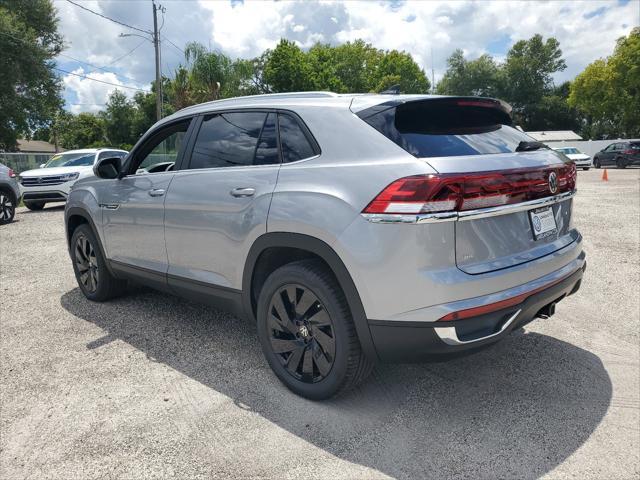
[[527, 73], [210, 72], [394, 67], [79, 131], [29, 88], [608, 92], [118, 120], [287, 69], [479, 77], [553, 112]]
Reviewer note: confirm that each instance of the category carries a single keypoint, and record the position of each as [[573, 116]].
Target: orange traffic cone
[[605, 176]]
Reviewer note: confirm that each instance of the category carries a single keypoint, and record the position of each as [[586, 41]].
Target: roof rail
[[266, 96]]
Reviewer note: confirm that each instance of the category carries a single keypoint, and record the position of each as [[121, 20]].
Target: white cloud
[[247, 29], [91, 92]]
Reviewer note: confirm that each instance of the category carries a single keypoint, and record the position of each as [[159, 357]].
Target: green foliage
[[608, 92], [79, 131], [479, 77], [118, 118], [29, 88], [288, 69]]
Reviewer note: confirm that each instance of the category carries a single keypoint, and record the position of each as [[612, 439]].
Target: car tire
[[7, 206], [620, 163], [596, 163], [585, 168], [316, 352], [90, 267], [34, 206]]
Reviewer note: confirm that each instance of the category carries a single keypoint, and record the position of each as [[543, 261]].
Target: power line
[[126, 54], [99, 68], [109, 18], [100, 81], [173, 44]]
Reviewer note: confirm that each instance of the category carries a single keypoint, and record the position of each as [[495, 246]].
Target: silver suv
[[352, 228], [9, 194]]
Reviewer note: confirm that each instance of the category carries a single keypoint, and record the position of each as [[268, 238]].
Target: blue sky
[[587, 30]]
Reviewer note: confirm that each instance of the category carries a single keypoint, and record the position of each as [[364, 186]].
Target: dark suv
[[620, 154]]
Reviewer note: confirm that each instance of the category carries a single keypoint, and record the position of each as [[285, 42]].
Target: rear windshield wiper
[[529, 146]]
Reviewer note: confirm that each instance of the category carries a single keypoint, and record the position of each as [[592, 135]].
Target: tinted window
[[446, 130], [267, 151], [293, 141], [227, 140], [71, 160]]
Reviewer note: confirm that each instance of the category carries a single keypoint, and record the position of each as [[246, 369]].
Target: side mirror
[[108, 168], [42, 165]]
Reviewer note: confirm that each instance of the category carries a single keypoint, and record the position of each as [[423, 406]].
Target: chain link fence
[[20, 162]]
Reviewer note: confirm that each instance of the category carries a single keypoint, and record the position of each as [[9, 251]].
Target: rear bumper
[[421, 341]]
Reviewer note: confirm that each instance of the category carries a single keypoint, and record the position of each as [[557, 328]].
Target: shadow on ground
[[513, 411]]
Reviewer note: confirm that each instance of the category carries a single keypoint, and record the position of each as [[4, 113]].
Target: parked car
[[9, 194], [352, 228], [580, 159], [53, 180], [620, 154]]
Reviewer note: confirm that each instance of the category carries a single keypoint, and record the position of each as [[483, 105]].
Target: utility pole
[[433, 78], [156, 45]]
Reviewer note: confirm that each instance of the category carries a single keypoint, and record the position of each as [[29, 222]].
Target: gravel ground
[[151, 386]]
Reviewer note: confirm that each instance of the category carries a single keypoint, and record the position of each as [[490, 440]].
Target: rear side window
[[294, 142], [227, 140], [446, 129]]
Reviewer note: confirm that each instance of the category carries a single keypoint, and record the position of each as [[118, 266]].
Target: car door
[[608, 155], [218, 204], [133, 206]]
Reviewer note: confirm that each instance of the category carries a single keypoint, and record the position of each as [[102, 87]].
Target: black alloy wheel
[[7, 207], [86, 263], [301, 333]]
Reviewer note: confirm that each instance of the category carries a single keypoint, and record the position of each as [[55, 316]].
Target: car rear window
[[448, 128], [635, 145]]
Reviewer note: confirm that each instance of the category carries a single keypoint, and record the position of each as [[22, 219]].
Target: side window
[[161, 152], [228, 140], [106, 154], [293, 141], [267, 151]]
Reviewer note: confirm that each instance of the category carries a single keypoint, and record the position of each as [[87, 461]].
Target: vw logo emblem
[[40, 180], [553, 182]]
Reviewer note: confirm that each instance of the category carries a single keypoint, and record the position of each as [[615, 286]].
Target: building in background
[[31, 154]]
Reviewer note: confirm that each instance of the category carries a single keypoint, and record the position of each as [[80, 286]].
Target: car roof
[[354, 101]]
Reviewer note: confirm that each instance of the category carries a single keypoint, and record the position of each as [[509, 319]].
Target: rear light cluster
[[12, 174], [470, 191]]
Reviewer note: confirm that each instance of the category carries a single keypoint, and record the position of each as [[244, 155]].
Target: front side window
[[228, 140], [161, 152], [293, 141]]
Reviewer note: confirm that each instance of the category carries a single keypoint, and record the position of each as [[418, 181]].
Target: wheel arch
[[273, 250], [76, 216]]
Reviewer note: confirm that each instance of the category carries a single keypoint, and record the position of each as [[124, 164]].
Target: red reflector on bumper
[[494, 307]]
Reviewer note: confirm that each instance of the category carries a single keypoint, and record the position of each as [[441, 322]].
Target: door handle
[[156, 192], [243, 192]]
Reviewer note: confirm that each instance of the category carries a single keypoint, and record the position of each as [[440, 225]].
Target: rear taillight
[[12, 174], [470, 191], [631, 152]]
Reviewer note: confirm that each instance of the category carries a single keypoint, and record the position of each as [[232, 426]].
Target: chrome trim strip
[[468, 214], [516, 207], [449, 336]]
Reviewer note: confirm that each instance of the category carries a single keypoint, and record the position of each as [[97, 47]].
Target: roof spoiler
[[482, 102]]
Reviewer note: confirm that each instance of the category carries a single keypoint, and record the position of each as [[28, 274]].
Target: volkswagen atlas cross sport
[[53, 180], [352, 228]]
